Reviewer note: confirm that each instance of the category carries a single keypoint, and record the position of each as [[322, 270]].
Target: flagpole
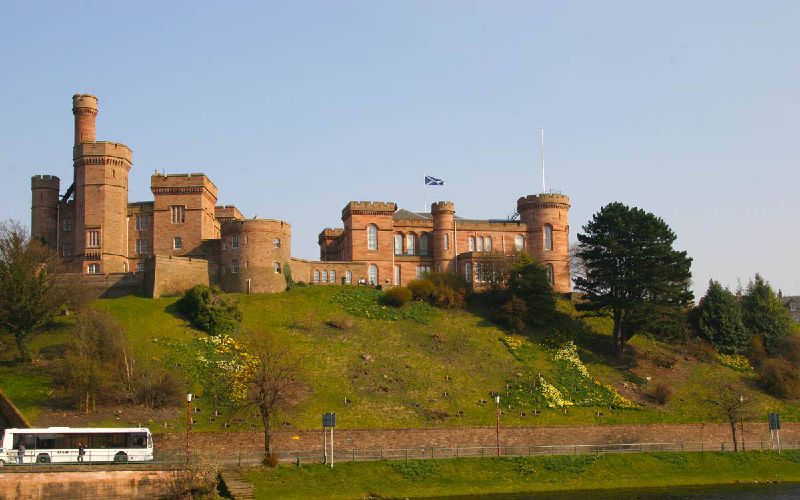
[[544, 186], [424, 194]]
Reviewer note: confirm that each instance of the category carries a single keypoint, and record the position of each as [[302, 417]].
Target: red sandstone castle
[[183, 237]]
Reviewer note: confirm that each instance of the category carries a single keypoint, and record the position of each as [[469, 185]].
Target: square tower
[[183, 213]]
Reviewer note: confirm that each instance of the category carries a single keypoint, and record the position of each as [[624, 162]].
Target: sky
[[689, 110]]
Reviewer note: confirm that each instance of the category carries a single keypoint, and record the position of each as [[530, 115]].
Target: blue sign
[[774, 422]]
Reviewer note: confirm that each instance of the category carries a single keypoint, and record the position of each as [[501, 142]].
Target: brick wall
[[107, 286], [169, 275], [86, 484]]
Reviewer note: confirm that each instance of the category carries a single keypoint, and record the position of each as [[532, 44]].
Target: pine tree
[[719, 320], [764, 315]]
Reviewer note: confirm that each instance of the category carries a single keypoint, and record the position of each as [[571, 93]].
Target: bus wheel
[[43, 458], [121, 457]]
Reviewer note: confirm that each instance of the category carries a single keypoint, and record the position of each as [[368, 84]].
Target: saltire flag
[[433, 181]]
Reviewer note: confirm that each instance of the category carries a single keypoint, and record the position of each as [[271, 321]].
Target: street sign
[[328, 420], [774, 421]]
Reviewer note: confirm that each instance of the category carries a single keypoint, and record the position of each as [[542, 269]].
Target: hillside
[[428, 368]]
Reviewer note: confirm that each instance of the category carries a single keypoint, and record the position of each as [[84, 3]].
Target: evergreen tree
[[719, 320], [764, 315], [632, 273], [528, 281]]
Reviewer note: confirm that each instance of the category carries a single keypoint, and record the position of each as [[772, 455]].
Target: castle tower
[[44, 208], [443, 235], [101, 194], [255, 253], [546, 216]]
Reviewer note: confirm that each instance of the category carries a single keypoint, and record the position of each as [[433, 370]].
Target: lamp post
[[188, 422], [741, 420], [497, 407]]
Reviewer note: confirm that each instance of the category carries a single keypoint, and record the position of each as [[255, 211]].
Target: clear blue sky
[[690, 110]]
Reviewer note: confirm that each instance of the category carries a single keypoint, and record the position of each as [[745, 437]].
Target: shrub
[[447, 298], [790, 349], [512, 314], [396, 297], [701, 351], [421, 289], [210, 310], [662, 393], [156, 387], [780, 378], [757, 352], [341, 322]]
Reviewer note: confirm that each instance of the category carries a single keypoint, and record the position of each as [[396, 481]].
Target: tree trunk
[[733, 433], [265, 421], [619, 341], [22, 346]]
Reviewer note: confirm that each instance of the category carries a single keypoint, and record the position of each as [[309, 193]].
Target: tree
[[528, 280], [29, 294], [274, 386], [632, 273], [764, 315], [718, 319], [210, 310], [728, 401]]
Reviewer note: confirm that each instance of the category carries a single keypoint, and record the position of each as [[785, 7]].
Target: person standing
[[20, 452], [81, 451]]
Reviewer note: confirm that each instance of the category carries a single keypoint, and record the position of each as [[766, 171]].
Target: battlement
[[443, 206], [548, 200], [167, 183], [103, 148], [369, 208], [45, 182], [84, 101], [227, 212]]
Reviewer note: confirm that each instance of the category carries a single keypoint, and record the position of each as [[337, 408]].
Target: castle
[[183, 237]]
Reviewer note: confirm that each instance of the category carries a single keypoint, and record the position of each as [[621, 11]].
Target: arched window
[[398, 244], [348, 277], [548, 237], [550, 275], [479, 244], [488, 244], [423, 244], [397, 274], [471, 244], [372, 237], [411, 243], [333, 276], [324, 276], [276, 243], [373, 274], [446, 241], [277, 267], [316, 276], [468, 272], [519, 242]]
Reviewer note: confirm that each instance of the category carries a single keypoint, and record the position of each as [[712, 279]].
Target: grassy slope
[[490, 475], [408, 369]]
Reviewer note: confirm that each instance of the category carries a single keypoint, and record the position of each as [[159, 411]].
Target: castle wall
[[170, 275], [140, 234], [254, 253]]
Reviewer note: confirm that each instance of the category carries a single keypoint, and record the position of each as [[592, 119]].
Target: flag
[[433, 181]]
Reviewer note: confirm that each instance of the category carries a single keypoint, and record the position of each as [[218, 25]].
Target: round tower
[[44, 208], [84, 107], [546, 217], [443, 235], [255, 253]]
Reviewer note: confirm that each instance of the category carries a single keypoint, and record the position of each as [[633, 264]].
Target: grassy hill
[[426, 368]]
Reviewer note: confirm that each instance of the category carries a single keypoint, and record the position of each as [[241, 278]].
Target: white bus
[[60, 444]]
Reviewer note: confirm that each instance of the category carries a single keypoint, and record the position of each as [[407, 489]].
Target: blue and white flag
[[433, 181]]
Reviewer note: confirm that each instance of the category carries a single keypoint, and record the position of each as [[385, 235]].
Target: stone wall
[[174, 275], [93, 484], [106, 286]]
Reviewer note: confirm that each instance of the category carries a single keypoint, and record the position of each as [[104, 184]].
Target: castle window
[[333, 276], [519, 242], [276, 243], [446, 241], [324, 276], [66, 250], [411, 243], [372, 237], [235, 241], [398, 244], [142, 222], [316, 276], [93, 269], [67, 224], [396, 274], [471, 242], [423, 244], [422, 271], [468, 272], [177, 243], [178, 214], [373, 274], [139, 267], [276, 266], [234, 266], [793, 306], [348, 277], [550, 274], [488, 243], [479, 244], [141, 247], [548, 237], [93, 238]]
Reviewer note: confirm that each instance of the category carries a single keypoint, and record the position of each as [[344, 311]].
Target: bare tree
[[274, 385], [728, 401], [29, 293]]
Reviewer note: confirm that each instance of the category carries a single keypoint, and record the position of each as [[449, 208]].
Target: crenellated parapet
[[369, 208], [45, 182], [544, 200], [443, 207], [102, 153]]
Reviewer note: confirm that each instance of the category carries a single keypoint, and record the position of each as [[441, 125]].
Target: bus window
[[100, 440], [119, 440], [28, 439], [138, 440]]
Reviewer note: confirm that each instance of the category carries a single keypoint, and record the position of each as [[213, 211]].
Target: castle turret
[[547, 219], [255, 253], [443, 235], [44, 208], [84, 107]]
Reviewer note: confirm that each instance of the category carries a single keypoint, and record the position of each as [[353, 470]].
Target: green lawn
[[474, 476]]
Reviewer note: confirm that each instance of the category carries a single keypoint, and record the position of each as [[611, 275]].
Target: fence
[[178, 459]]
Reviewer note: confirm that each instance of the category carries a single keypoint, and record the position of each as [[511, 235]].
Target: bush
[[757, 352], [780, 378], [662, 393], [790, 349], [341, 322], [701, 351], [448, 298], [448, 290], [512, 314], [397, 296], [210, 310], [421, 289]]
